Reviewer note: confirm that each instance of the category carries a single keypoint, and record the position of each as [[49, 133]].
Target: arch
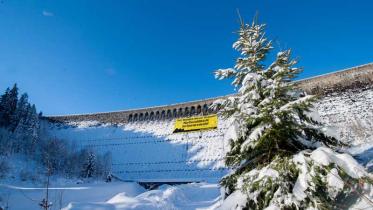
[[151, 117], [174, 113], [205, 109], [180, 112], [141, 117], [213, 110], [163, 114], [192, 110], [130, 118], [186, 111], [169, 114], [199, 109], [157, 115], [135, 117], [146, 116]]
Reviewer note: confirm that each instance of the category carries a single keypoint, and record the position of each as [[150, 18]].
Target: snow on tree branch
[[272, 135]]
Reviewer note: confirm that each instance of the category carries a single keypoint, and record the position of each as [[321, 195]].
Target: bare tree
[[45, 203]]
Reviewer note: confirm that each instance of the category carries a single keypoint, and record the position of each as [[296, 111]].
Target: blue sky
[[93, 56]]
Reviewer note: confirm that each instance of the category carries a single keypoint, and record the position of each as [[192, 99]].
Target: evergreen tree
[[3, 100], [273, 135], [89, 166], [21, 112], [34, 124], [26, 132], [9, 105]]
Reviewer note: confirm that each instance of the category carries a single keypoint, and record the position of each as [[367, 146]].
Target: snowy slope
[[149, 151]]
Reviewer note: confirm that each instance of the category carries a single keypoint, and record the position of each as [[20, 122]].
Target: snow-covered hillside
[[149, 151]]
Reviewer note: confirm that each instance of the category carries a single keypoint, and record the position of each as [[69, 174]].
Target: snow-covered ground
[[122, 196], [18, 194], [17, 197], [186, 196]]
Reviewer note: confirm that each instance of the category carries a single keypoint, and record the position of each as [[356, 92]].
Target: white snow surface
[[22, 198], [301, 184], [187, 196], [149, 151], [236, 200], [335, 183], [129, 195], [325, 156]]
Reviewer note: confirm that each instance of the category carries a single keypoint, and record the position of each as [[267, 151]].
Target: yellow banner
[[196, 123]]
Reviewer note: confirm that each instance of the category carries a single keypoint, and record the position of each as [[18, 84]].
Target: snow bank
[[79, 196], [187, 196]]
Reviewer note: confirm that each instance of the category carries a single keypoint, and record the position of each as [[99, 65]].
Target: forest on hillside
[[21, 137]]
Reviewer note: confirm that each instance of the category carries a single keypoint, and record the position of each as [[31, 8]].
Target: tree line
[[21, 134]]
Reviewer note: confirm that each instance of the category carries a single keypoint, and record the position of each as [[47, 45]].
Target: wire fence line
[[107, 142], [170, 162], [172, 170], [133, 137]]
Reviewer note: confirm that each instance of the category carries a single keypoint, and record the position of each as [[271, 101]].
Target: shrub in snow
[[53, 154], [4, 167], [27, 175], [273, 136], [5, 143], [89, 164]]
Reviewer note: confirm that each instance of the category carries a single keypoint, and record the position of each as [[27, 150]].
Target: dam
[[145, 148]]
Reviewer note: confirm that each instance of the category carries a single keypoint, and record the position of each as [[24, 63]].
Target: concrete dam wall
[[144, 147]]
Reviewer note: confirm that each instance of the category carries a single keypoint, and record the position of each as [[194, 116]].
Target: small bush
[[4, 168], [25, 175]]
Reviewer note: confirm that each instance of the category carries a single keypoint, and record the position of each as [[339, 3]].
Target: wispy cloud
[[47, 13]]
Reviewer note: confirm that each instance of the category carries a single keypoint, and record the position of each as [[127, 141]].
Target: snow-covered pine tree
[[281, 158], [3, 99], [26, 133], [34, 125], [89, 166], [21, 111], [8, 105]]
